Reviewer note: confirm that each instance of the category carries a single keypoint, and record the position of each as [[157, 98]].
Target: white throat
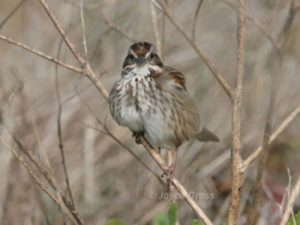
[[141, 71]]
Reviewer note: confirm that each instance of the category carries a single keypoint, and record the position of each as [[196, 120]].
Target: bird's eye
[[130, 59], [152, 56]]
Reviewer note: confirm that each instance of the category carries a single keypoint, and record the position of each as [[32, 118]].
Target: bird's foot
[[169, 173], [138, 136]]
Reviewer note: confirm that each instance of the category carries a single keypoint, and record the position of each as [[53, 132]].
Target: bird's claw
[[138, 136]]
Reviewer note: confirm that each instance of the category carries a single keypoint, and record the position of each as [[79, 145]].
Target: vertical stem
[[236, 121]]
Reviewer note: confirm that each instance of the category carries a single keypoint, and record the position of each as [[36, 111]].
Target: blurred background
[[106, 180]]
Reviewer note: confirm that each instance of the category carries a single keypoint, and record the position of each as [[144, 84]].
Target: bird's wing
[[173, 77]]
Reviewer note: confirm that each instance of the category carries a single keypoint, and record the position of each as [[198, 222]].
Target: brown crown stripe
[[141, 48]]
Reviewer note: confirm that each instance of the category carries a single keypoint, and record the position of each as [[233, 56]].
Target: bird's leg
[[138, 136], [171, 161]]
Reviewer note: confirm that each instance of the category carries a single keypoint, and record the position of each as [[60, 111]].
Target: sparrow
[[152, 100]]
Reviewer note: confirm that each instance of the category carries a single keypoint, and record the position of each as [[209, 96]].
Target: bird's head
[[142, 55]]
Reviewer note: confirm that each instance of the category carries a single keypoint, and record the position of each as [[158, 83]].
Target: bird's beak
[[140, 61]]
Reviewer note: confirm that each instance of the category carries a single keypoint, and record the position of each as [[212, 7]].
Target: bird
[[152, 100]]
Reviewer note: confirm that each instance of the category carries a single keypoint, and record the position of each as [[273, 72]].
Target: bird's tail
[[205, 135]]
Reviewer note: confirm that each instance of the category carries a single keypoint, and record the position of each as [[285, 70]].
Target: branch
[[257, 25], [176, 183], [195, 20], [13, 11], [38, 182], [41, 54], [211, 66], [85, 65], [236, 175], [274, 135], [294, 194], [71, 203], [155, 28]]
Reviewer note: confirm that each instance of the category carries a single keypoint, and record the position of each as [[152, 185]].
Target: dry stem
[[236, 174], [294, 194], [203, 55]]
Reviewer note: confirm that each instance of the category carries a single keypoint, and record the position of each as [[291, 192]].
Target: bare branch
[[273, 136], [294, 194], [83, 30], [85, 65], [180, 188], [41, 54], [39, 183], [211, 66], [257, 25], [71, 204], [155, 28], [118, 29], [236, 176], [195, 20], [13, 11]]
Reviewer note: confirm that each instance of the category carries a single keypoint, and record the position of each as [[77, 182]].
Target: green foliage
[[296, 218], [196, 222], [114, 222], [169, 219], [172, 213], [162, 219]]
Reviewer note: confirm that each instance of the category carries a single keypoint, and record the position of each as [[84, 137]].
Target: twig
[[118, 29], [41, 54], [39, 183], [273, 136], [85, 65], [71, 203], [83, 30], [180, 188], [211, 66], [195, 20], [155, 28], [13, 11], [294, 194], [257, 25], [236, 160]]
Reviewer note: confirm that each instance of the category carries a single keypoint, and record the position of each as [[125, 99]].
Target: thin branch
[[155, 28], [71, 203], [87, 70], [118, 29], [13, 11], [176, 183], [83, 30], [256, 192], [211, 66], [274, 135], [46, 174], [236, 176], [41, 54], [39, 183], [294, 194], [195, 20], [257, 25]]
